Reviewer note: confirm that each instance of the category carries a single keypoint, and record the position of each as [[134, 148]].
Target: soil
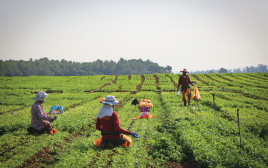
[[225, 78], [200, 80], [213, 79], [156, 82], [174, 83], [11, 111], [110, 83], [138, 87]]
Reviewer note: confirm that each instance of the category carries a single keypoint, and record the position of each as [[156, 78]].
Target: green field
[[204, 134]]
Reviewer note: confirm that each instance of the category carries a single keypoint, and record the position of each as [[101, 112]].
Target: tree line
[[247, 69], [46, 67]]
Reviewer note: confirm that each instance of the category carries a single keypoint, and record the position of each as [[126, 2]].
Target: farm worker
[[144, 107], [108, 124], [184, 82], [40, 120]]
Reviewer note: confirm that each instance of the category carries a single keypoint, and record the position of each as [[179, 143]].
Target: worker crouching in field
[[108, 124], [185, 82], [145, 107], [40, 120]]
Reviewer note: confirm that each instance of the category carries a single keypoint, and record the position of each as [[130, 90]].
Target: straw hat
[[110, 100], [185, 70]]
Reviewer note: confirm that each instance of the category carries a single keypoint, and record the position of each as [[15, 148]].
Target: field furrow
[[203, 134]]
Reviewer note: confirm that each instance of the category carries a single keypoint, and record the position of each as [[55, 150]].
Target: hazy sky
[[192, 34]]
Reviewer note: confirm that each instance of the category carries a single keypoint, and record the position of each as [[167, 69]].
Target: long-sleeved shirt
[[184, 80], [40, 119], [110, 124]]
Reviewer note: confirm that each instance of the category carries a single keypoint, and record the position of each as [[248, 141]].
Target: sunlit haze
[[194, 34]]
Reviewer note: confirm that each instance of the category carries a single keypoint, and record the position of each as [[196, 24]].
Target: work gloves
[[135, 135]]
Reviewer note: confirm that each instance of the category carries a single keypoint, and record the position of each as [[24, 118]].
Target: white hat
[[110, 100], [40, 96]]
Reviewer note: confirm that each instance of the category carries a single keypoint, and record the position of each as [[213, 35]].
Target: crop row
[[204, 132], [149, 83], [253, 119], [165, 83], [69, 122], [84, 154], [210, 142], [55, 83], [246, 83], [229, 83], [182, 128], [124, 83]]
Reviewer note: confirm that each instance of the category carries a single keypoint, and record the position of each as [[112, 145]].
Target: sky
[[191, 34]]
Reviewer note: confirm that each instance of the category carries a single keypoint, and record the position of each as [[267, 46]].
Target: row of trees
[[252, 69], [248, 69], [46, 67]]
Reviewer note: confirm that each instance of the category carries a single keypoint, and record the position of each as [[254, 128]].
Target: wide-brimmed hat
[[110, 100], [40, 96], [185, 70]]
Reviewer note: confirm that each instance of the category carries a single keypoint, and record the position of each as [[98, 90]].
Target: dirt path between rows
[[156, 82], [200, 80], [110, 83], [173, 82], [224, 78], [138, 87]]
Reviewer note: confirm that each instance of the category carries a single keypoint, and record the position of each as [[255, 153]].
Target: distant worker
[[40, 120], [145, 105], [184, 82], [108, 124]]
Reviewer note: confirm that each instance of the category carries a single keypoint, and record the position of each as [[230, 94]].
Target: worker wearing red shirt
[[184, 82], [108, 124]]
